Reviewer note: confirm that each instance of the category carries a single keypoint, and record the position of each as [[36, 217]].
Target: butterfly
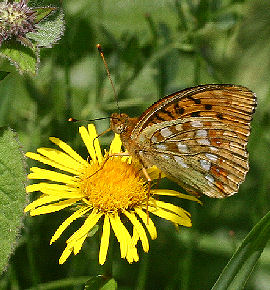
[[197, 137]]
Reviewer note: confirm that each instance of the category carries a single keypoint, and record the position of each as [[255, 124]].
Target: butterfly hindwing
[[191, 159]]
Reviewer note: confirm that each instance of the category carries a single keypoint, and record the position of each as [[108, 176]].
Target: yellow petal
[[89, 223], [115, 149], [39, 173], [132, 254], [135, 237], [47, 161], [60, 190], [135, 254], [92, 132], [44, 199], [65, 147], [155, 173], [68, 221], [170, 216], [140, 229], [173, 208], [115, 145], [61, 158], [78, 244], [169, 192], [53, 207], [89, 142], [148, 223], [120, 233], [66, 253], [105, 239]]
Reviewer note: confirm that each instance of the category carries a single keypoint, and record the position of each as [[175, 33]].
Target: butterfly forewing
[[198, 137], [228, 103]]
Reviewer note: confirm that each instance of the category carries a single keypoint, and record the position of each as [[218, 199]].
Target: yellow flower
[[103, 189]]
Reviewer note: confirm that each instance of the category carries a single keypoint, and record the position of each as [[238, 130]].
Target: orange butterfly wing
[[198, 137]]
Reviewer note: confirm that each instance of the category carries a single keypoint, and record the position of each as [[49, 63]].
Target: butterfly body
[[196, 136]]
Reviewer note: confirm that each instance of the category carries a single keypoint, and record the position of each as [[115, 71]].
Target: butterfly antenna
[[109, 75], [92, 120]]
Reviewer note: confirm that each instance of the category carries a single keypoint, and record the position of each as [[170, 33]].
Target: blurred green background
[[153, 48]]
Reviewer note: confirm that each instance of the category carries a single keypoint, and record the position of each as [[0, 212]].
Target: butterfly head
[[119, 122]]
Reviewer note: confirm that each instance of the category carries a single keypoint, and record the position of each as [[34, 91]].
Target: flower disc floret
[[113, 185]]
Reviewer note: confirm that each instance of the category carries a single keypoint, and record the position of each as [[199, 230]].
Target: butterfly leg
[[101, 167], [106, 159], [99, 135], [148, 190], [158, 180]]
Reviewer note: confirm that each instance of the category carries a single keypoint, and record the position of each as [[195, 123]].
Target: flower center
[[113, 185]]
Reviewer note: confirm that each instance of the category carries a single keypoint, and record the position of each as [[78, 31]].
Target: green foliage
[[238, 270], [3, 74], [110, 285], [41, 13], [12, 193], [153, 48], [49, 32], [100, 282], [24, 58], [22, 48]]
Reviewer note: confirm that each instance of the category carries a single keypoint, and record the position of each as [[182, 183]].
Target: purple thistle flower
[[16, 20]]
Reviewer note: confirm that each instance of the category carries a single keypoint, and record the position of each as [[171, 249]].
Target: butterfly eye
[[117, 125], [120, 128], [119, 122]]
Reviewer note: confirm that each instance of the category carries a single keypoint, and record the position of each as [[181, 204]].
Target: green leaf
[[110, 285], [24, 58], [237, 271], [67, 283], [49, 32], [42, 13], [3, 74], [12, 193], [100, 282]]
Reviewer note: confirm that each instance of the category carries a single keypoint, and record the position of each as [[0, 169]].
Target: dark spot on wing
[[220, 116], [168, 113], [160, 118], [179, 110], [196, 101], [208, 107], [195, 114]]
